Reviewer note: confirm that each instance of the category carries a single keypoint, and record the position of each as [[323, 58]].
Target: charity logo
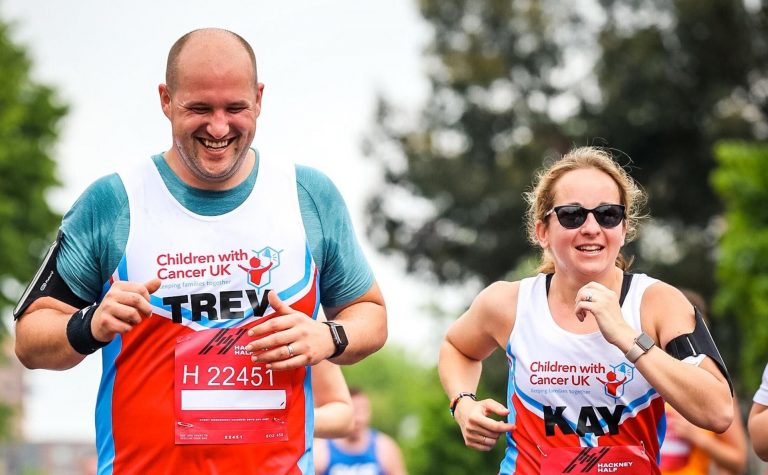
[[261, 265], [616, 379], [586, 459], [223, 341]]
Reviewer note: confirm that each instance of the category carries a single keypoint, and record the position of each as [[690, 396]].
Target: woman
[[588, 379]]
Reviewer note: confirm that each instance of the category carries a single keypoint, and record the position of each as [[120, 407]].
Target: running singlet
[[579, 406], [680, 457], [761, 395], [342, 462], [179, 393]]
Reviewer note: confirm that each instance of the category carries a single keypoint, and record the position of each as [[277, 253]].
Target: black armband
[[48, 283], [699, 342], [79, 331]]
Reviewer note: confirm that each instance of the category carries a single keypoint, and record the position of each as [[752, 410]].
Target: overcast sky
[[323, 63]]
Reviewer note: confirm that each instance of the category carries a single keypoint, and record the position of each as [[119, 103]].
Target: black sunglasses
[[573, 216]]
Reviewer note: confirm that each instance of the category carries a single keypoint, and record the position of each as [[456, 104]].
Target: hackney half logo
[[260, 266], [616, 379]]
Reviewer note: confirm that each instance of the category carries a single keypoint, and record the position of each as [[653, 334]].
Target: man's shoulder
[[318, 191], [107, 187], [104, 199], [312, 179]]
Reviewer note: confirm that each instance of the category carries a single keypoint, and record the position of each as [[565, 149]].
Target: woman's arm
[[698, 392], [472, 338]]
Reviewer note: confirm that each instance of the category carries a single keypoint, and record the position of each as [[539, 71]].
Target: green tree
[[674, 77], [741, 179], [29, 120], [515, 83], [482, 132]]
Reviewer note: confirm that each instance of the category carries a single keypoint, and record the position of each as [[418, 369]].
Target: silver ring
[[588, 298], [485, 439], [290, 350]]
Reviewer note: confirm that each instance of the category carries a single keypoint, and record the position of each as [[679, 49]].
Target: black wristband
[[79, 331]]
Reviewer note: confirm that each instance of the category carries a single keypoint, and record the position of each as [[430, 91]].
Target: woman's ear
[[542, 234]]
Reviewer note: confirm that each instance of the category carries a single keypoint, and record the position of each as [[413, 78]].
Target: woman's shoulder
[[666, 311], [497, 300], [660, 293]]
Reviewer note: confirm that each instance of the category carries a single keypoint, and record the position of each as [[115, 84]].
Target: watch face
[[645, 342], [342, 335]]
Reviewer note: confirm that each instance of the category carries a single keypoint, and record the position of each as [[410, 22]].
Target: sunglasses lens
[[609, 216], [571, 217]]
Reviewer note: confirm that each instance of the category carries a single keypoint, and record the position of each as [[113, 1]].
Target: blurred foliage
[[516, 84], [513, 85], [29, 120], [742, 180]]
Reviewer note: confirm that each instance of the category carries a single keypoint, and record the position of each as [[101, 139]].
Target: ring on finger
[[588, 297], [290, 350]]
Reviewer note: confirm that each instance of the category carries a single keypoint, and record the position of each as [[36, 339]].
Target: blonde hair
[[542, 198]]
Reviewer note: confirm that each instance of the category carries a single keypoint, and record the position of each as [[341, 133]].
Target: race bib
[[221, 396], [622, 460]]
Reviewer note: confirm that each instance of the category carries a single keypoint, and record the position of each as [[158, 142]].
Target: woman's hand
[[479, 430]]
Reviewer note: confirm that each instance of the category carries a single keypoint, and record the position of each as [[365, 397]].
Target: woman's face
[[590, 250]]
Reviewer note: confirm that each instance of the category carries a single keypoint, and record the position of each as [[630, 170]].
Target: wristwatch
[[339, 338], [639, 347]]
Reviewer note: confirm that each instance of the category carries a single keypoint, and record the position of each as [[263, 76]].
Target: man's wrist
[[339, 338], [79, 333]]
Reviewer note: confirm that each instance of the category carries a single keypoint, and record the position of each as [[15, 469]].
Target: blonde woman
[[587, 373]]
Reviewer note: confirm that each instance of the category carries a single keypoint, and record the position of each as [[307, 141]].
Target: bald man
[[198, 274]]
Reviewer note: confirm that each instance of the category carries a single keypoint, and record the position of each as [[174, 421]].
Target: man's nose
[[218, 126]]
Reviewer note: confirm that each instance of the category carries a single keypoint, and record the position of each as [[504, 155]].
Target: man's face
[[213, 110], [362, 412]]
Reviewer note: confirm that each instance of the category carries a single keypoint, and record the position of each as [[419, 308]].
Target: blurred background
[[431, 117]]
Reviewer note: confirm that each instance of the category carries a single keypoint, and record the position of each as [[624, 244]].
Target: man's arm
[[365, 323], [290, 339], [41, 336], [390, 456], [333, 404], [42, 339]]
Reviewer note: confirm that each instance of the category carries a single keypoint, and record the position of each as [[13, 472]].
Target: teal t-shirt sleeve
[[344, 271], [91, 228]]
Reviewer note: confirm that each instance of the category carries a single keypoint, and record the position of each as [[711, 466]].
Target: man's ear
[[259, 95], [165, 99]]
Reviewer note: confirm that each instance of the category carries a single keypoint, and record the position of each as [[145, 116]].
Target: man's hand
[[125, 305], [289, 339]]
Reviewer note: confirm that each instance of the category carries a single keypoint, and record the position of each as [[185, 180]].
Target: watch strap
[[339, 337], [640, 346]]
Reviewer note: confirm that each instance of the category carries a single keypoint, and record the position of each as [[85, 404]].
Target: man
[[205, 370], [364, 451]]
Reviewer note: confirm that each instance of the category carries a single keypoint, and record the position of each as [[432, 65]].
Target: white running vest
[[567, 389], [178, 391]]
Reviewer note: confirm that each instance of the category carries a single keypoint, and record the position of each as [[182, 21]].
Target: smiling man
[[206, 369]]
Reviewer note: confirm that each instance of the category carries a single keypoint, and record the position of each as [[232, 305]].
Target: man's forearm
[[365, 324], [41, 339]]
